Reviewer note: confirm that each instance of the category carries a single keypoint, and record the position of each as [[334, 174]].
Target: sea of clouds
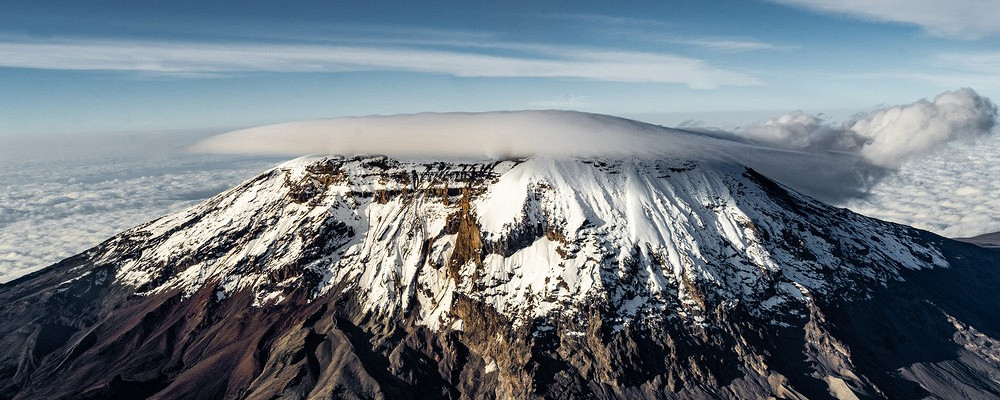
[[61, 196], [952, 192], [933, 164]]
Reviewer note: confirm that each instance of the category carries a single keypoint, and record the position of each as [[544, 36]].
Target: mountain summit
[[593, 277]]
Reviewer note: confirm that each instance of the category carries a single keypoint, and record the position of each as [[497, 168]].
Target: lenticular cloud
[[885, 138], [831, 162], [541, 133], [461, 135]]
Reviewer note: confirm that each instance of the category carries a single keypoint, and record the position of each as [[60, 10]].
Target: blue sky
[[103, 65]]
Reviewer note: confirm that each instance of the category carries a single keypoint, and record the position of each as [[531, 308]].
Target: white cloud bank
[[952, 192], [199, 59], [969, 19], [59, 197], [889, 136]]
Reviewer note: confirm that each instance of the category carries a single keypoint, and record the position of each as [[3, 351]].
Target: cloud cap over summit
[[832, 162]]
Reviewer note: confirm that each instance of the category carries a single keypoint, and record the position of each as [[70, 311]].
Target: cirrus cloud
[[967, 19], [199, 59]]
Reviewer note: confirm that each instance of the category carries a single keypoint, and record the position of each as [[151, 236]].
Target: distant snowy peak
[[539, 239]]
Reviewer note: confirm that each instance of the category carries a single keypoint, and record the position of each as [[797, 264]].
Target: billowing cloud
[[895, 134], [886, 137], [955, 18], [797, 130], [205, 59]]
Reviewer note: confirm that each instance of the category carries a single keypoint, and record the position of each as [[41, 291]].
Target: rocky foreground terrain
[[370, 277]]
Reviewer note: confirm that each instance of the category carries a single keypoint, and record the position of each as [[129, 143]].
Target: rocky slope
[[369, 277]]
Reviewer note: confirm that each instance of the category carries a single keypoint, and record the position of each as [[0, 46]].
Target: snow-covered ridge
[[533, 238]]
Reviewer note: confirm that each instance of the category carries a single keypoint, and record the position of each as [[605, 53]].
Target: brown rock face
[[468, 242]]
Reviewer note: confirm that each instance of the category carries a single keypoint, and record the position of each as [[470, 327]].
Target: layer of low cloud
[[952, 192], [205, 59], [890, 136], [61, 197], [969, 19]]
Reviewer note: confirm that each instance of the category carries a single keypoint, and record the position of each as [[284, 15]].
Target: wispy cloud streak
[[653, 31], [181, 58], [967, 19], [725, 44]]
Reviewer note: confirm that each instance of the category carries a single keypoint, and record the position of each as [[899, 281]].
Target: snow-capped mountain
[[593, 277], [535, 238]]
